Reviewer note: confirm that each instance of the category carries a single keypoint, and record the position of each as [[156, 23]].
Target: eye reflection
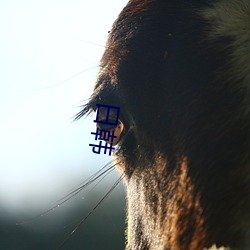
[[117, 130]]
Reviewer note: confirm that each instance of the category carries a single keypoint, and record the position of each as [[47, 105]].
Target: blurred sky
[[47, 70]]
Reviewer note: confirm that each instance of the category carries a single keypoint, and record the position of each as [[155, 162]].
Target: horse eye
[[105, 126], [117, 130]]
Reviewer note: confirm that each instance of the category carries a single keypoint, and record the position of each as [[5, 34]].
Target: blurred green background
[[104, 229]]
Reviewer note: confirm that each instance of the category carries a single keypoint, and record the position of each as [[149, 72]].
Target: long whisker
[[75, 191], [92, 190], [79, 189], [95, 44], [108, 172], [93, 209], [68, 79], [88, 181], [89, 61]]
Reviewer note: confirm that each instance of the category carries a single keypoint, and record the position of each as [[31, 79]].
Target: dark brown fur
[[185, 149]]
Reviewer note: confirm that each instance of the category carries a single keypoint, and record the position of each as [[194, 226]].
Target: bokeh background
[[49, 55]]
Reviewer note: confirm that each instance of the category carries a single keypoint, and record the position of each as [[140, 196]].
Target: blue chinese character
[[104, 135], [110, 147], [109, 111], [109, 115]]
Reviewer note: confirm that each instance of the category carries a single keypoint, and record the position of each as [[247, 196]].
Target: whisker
[[68, 79], [87, 60], [89, 180], [106, 47], [108, 172], [91, 191], [93, 209], [79, 189], [75, 191], [95, 44]]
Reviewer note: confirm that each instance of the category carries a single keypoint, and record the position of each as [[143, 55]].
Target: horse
[[180, 72]]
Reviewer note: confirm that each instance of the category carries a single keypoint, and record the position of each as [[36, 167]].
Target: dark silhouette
[[180, 72]]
